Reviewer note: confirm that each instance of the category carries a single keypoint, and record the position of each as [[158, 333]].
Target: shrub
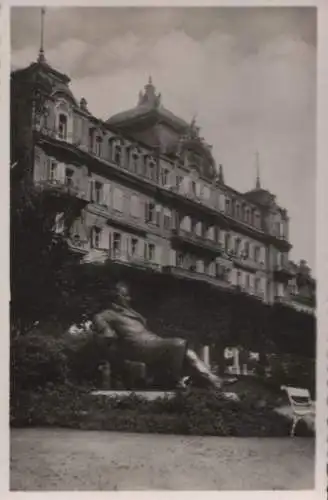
[[37, 360], [195, 413]]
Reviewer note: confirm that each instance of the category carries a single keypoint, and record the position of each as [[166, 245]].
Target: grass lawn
[[66, 460]]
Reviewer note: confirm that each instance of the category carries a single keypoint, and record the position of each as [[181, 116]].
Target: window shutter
[[221, 202], [61, 173], [158, 215], [106, 194], [158, 254], [103, 243], [91, 194]]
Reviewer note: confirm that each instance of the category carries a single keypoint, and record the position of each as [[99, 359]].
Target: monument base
[[150, 395]]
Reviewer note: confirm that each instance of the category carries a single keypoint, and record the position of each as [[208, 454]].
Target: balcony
[[298, 302], [283, 272], [134, 260], [62, 188], [192, 239], [77, 245], [181, 272], [246, 263]]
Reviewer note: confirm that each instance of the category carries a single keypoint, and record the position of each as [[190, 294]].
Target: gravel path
[[66, 460]]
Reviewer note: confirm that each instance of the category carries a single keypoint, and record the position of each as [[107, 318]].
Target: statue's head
[[121, 294]]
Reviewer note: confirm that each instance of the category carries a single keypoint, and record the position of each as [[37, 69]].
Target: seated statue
[[125, 334]]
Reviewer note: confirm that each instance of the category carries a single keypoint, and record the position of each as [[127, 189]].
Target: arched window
[[247, 215], [152, 170], [134, 161], [227, 240], [62, 126], [98, 146], [117, 153]]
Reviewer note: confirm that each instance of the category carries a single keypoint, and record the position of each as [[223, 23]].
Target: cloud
[[251, 81]]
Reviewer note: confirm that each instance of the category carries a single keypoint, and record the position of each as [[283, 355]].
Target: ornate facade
[[150, 193]]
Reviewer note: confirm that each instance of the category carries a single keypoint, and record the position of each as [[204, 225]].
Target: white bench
[[301, 404]]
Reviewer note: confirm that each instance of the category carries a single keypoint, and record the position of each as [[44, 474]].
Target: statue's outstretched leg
[[198, 370]]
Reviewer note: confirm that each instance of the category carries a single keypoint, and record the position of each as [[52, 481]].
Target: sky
[[247, 74]]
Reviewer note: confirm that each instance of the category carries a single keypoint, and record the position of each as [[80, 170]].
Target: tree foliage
[[38, 256]]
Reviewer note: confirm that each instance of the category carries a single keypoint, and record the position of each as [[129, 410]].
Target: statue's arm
[[102, 322]]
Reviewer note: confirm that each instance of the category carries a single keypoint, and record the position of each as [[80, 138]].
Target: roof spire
[[41, 57], [258, 181], [221, 175]]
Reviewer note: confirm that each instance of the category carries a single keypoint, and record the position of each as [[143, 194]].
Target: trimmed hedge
[[195, 413]]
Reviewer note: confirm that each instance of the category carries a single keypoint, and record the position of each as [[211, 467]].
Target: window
[[237, 245], [150, 212], [238, 278], [91, 137], [69, 177], [117, 154], [98, 192], [237, 212], [167, 219], [158, 213], [193, 188], [117, 242], [135, 206], [152, 170], [256, 254], [256, 219], [210, 233], [246, 249], [134, 163], [52, 170], [199, 229], [118, 200], [206, 193], [150, 252], [179, 179], [257, 285], [247, 215], [96, 235], [62, 126], [179, 259], [227, 205], [185, 224], [227, 239], [134, 246], [98, 146], [165, 176], [247, 281]]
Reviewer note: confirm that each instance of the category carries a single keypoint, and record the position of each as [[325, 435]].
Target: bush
[[196, 413], [37, 360]]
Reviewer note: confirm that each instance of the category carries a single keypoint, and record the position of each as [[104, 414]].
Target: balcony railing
[[243, 261], [62, 187], [182, 272], [296, 302], [283, 272], [199, 241], [133, 260], [78, 245]]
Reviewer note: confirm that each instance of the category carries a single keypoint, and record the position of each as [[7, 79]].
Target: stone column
[[236, 360]]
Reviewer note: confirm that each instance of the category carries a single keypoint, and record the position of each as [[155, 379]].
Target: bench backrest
[[298, 396]]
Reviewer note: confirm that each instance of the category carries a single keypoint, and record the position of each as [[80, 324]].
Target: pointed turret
[[149, 96], [41, 56], [221, 174], [258, 180]]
